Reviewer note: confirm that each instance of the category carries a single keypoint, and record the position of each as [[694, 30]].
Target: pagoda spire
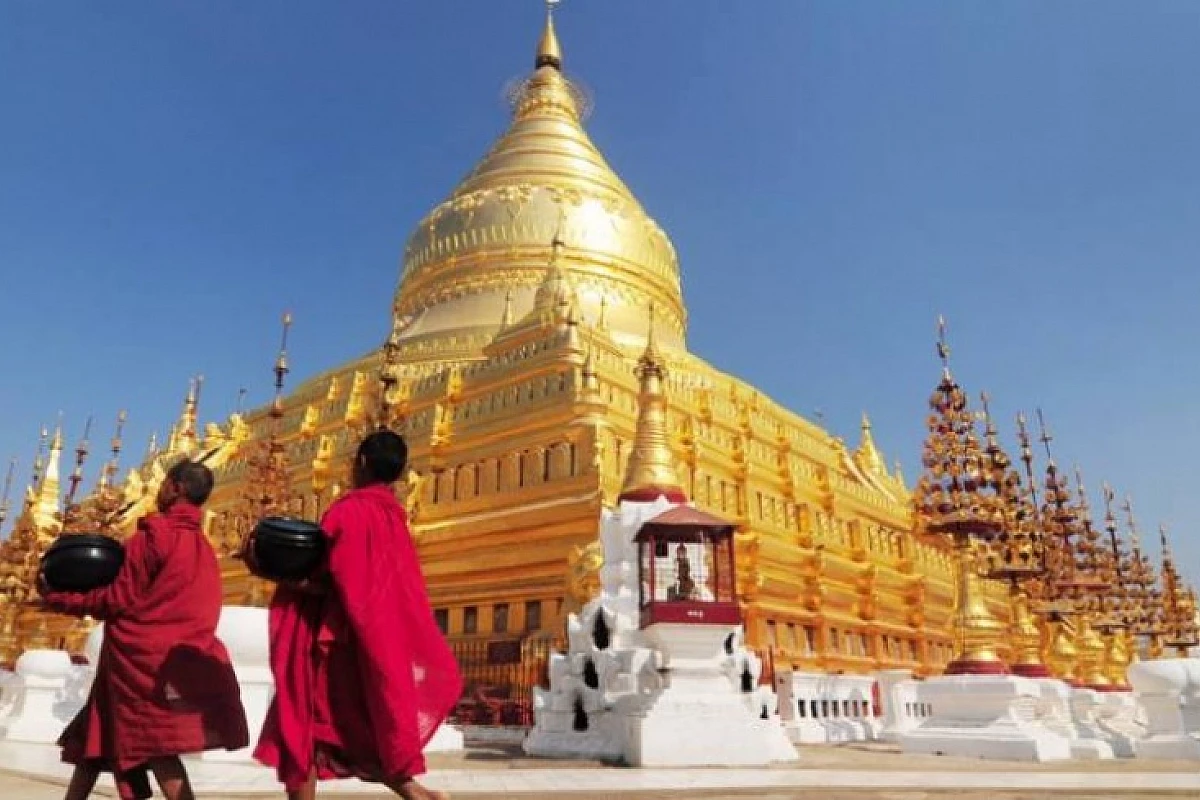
[[650, 473], [549, 51], [46, 502], [183, 433], [506, 319], [39, 464], [5, 496], [959, 497], [268, 488], [108, 475], [867, 453]]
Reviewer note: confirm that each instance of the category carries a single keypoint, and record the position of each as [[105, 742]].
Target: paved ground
[[830, 773]]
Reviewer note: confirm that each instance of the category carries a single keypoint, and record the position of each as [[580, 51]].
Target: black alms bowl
[[80, 562], [287, 549]]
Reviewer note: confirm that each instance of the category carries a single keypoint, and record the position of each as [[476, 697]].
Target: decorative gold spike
[[5, 497], [549, 52], [651, 470]]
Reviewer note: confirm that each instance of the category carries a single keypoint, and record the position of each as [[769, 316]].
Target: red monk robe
[[363, 675], [164, 685]]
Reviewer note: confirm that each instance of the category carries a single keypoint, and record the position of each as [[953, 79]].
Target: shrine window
[[835, 640], [771, 637], [810, 640], [686, 569], [500, 618], [470, 620], [442, 617], [533, 615]]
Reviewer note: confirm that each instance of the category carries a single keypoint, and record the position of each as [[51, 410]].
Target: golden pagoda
[[963, 497], [511, 368]]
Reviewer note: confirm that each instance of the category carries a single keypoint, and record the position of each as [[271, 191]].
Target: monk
[[164, 685], [363, 675]]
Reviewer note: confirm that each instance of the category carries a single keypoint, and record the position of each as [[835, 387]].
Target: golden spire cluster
[[959, 494], [102, 510], [1178, 604], [1067, 581], [1018, 552], [963, 495]]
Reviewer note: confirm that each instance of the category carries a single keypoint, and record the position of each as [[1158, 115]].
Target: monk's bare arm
[[119, 596]]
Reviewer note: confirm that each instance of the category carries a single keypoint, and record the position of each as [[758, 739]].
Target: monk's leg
[[306, 792], [83, 780], [172, 778], [409, 789]]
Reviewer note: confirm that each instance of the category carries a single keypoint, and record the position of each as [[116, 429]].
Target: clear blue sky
[[173, 175]]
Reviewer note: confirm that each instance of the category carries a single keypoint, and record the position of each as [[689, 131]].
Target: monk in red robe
[[363, 675], [164, 685]]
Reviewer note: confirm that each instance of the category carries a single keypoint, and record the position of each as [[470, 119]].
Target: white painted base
[[697, 720], [983, 716], [447, 739], [47, 691], [1169, 691]]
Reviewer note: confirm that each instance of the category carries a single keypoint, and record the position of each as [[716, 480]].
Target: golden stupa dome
[[488, 246]]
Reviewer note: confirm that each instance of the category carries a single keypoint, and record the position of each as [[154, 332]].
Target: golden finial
[[650, 473], [555, 293], [1045, 438], [4, 498], [108, 475], [152, 446], [39, 462], [867, 451], [506, 319], [602, 319], [1081, 493], [651, 355], [281, 366], [49, 485], [241, 400], [1027, 458], [549, 52], [943, 348], [1135, 537], [1164, 544], [81, 453], [1110, 519], [56, 443]]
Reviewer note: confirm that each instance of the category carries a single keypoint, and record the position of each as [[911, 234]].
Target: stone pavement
[[869, 772]]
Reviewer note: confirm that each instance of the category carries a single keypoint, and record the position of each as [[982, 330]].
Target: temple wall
[[515, 455]]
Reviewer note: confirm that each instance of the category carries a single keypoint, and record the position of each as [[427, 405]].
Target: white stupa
[[656, 672]]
